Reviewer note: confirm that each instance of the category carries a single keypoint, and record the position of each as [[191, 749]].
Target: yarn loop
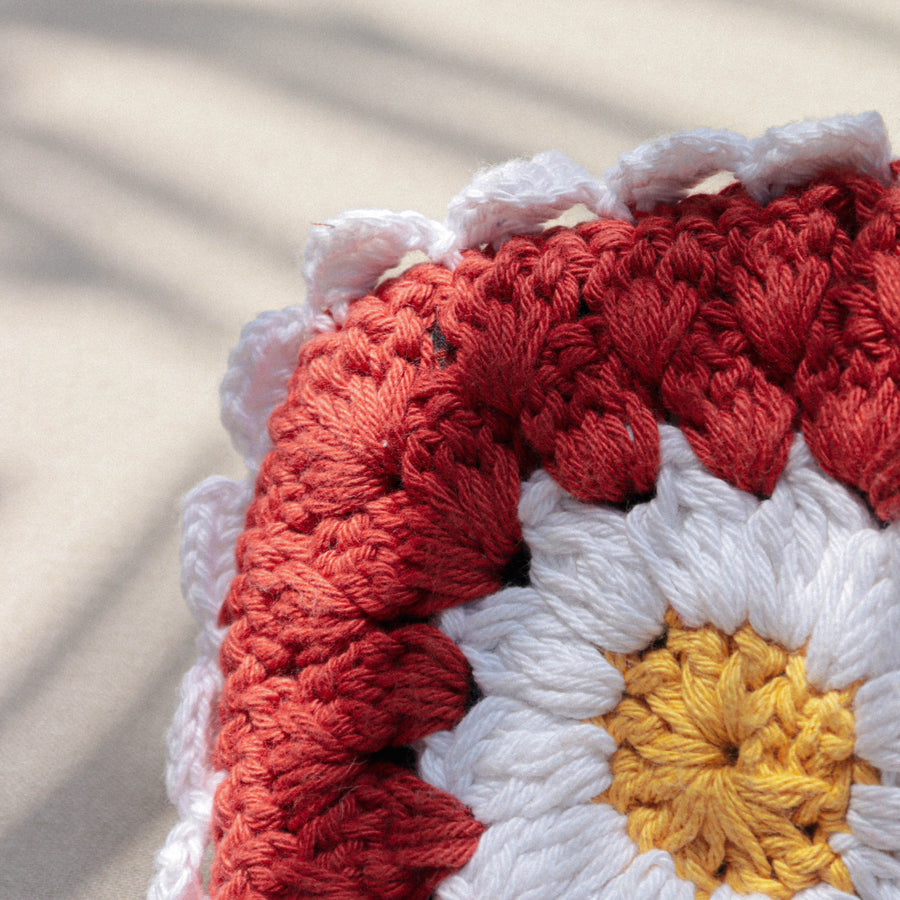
[[729, 760], [392, 487]]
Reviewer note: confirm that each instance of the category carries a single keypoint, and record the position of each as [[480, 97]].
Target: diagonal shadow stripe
[[320, 58], [846, 21], [109, 588], [75, 829]]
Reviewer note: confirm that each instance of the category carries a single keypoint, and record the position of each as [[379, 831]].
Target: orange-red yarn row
[[392, 489]]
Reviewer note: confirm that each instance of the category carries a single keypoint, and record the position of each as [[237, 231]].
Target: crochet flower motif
[[691, 698], [566, 566]]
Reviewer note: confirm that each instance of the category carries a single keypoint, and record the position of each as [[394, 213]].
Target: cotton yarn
[[727, 759], [486, 478]]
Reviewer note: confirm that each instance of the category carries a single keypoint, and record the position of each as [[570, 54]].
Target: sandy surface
[[160, 166]]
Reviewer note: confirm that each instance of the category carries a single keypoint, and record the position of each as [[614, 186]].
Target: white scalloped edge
[[344, 259], [346, 255]]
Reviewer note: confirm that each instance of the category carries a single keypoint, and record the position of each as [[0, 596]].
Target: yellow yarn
[[729, 760]]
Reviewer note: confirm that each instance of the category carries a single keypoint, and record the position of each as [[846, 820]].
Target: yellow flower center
[[729, 760]]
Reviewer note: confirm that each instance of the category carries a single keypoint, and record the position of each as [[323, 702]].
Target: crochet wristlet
[[566, 565]]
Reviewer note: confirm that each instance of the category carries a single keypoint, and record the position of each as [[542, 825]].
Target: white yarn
[[725, 892], [664, 170], [346, 256], [795, 154], [877, 714], [568, 855], [213, 518], [805, 520], [874, 815], [520, 195], [506, 760], [875, 874], [587, 573], [589, 584], [823, 892], [808, 564], [859, 620], [690, 539], [518, 648], [259, 368], [650, 874]]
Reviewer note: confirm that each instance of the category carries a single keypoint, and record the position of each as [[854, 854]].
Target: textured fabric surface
[[639, 452], [162, 163]]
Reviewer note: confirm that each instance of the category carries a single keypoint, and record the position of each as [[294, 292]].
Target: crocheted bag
[[566, 566]]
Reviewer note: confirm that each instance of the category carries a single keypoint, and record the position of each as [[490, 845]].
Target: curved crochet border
[[344, 260]]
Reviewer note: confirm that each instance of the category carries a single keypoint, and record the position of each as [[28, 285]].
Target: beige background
[[160, 166]]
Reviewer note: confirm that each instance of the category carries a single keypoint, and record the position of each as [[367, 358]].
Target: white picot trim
[[345, 258], [347, 255], [259, 368], [212, 520]]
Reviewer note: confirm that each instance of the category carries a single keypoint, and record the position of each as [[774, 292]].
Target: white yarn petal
[[651, 876], [691, 539], [585, 571], [568, 855], [807, 519], [877, 715], [857, 633], [726, 892], [875, 874], [346, 256], [874, 816], [824, 892], [518, 196], [505, 760], [259, 368], [517, 648], [795, 154], [178, 862]]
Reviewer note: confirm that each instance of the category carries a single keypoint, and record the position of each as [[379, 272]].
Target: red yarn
[[392, 489]]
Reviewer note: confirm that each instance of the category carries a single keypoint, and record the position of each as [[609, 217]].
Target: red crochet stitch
[[391, 492]]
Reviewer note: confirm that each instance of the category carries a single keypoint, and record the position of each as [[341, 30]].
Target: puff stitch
[[487, 492]]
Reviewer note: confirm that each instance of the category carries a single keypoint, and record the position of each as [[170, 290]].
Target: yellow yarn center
[[729, 760]]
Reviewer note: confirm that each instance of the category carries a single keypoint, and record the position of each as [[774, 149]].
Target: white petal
[[585, 571], [517, 648], [505, 760], [818, 493], [651, 876], [807, 519], [726, 892], [567, 855], [874, 816], [877, 714], [875, 874], [857, 633], [824, 892], [664, 169], [691, 538]]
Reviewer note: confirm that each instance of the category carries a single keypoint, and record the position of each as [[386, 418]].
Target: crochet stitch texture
[[728, 760], [496, 493]]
